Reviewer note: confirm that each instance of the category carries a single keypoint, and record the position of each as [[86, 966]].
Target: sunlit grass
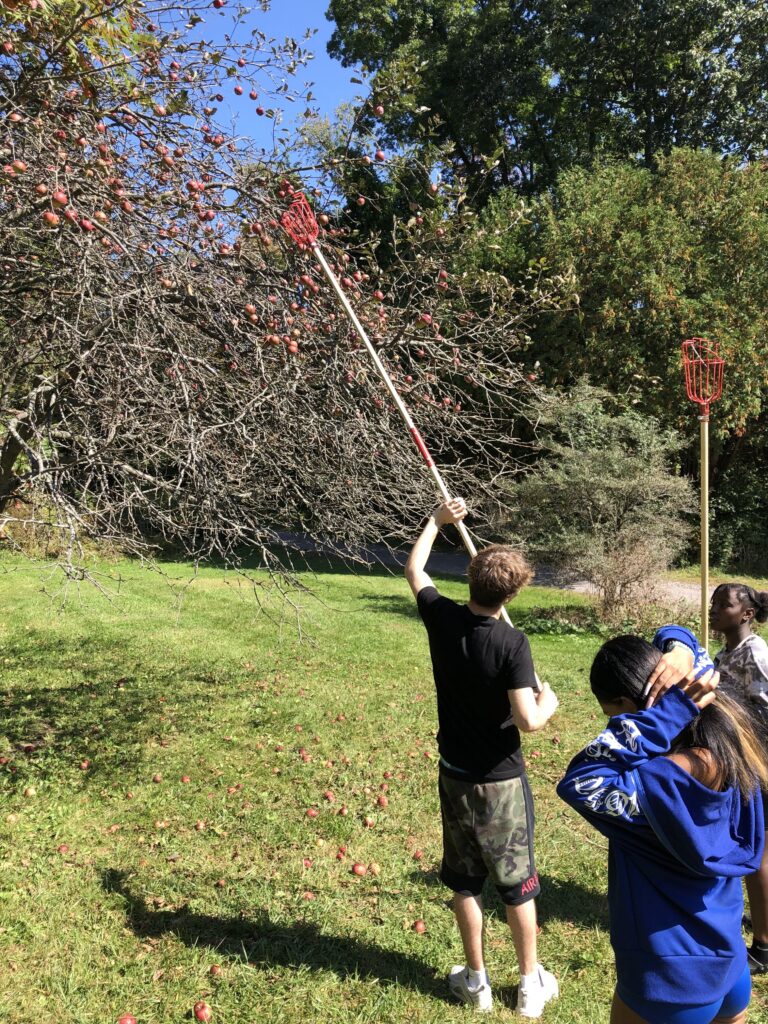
[[118, 893]]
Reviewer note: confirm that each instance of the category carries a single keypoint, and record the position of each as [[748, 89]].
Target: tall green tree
[[522, 90], [650, 258]]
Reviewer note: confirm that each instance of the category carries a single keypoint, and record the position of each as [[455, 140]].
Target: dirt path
[[454, 563]]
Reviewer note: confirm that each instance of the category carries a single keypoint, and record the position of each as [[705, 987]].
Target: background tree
[[652, 258], [521, 91], [173, 369], [606, 504]]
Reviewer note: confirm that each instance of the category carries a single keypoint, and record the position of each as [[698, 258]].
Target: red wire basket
[[703, 366], [300, 222]]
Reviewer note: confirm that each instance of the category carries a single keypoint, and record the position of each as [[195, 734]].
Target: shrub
[[603, 501]]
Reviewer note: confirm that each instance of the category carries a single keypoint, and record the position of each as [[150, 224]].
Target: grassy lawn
[[118, 893]]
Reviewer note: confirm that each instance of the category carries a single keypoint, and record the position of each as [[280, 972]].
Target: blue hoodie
[[701, 660], [677, 853]]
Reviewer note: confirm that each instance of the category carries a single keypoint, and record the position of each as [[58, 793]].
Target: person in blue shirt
[[673, 782]]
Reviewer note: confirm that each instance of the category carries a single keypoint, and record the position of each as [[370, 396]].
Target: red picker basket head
[[299, 221], [703, 371]]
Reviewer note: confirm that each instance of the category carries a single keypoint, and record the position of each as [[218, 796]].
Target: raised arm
[[683, 662], [452, 511], [599, 782]]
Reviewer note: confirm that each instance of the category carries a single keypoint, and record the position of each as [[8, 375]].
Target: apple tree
[[174, 370]]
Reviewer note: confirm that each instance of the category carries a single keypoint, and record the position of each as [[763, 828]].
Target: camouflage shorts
[[488, 832]]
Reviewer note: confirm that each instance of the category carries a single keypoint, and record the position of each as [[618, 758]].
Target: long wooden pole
[[704, 421], [399, 404]]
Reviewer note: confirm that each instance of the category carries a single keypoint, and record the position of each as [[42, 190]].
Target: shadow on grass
[[301, 556], [559, 901], [262, 943], [108, 714], [571, 902], [394, 604]]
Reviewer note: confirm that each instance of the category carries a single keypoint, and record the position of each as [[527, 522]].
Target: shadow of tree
[[106, 713], [394, 604], [261, 942]]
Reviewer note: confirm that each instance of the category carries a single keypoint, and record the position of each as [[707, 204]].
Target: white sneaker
[[479, 998], [539, 989]]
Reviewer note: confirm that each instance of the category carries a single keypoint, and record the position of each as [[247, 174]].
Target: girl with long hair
[[676, 789], [743, 666]]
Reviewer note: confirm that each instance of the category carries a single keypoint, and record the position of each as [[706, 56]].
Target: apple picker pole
[[703, 367], [300, 223]]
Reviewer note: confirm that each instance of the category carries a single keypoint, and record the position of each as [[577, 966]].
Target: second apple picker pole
[[703, 367], [300, 223]]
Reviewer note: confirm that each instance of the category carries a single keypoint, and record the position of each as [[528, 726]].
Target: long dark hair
[[728, 728]]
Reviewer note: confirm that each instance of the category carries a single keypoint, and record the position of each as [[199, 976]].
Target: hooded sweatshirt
[[679, 634], [677, 852]]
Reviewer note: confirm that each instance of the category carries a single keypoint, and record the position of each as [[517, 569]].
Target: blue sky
[[331, 82]]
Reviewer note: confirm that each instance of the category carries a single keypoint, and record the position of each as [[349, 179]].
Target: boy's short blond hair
[[496, 574]]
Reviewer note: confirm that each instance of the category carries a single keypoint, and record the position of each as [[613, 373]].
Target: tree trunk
[[10, 450]]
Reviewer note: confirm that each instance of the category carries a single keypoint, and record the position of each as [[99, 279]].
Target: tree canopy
[[521, 91]]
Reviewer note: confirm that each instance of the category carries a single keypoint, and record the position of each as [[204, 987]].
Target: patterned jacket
[[746, 667]]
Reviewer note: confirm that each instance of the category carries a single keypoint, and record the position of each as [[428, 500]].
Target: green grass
[[112, 900]]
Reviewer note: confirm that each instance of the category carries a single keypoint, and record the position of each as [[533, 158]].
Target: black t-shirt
[[475, 660]]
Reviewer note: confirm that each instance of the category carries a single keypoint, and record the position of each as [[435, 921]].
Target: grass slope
[[119, 893]]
